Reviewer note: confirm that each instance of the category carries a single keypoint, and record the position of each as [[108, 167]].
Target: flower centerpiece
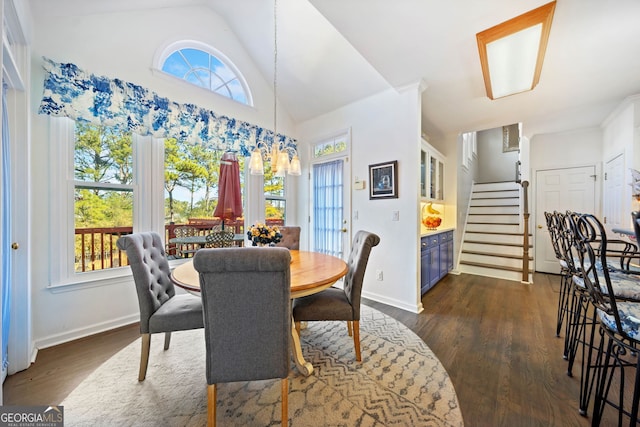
[[264, 235]]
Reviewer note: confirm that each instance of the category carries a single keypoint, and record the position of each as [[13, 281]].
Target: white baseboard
[[392, 302], [86, 331]]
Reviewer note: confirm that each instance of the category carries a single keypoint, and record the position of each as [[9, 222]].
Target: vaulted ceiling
[[334, 52]]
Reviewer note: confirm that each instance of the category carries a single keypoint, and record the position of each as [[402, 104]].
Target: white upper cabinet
[[432, 164]]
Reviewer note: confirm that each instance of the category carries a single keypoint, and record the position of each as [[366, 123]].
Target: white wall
[[384, 127], [582, 147], [567, 149], [466, 177], [119, 45], [620, 136], [494, 165]]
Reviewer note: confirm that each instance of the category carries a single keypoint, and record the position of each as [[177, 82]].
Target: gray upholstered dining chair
[[161, 310], [290, 237], [341, 304], [247, 317]]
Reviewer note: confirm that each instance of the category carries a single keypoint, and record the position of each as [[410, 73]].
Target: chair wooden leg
[[356, 339], [211, 405], [349, 328], [285, 401], [297, 327], [167, 340], [144, 356]]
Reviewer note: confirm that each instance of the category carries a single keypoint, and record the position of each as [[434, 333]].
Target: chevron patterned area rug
[[399, 382]]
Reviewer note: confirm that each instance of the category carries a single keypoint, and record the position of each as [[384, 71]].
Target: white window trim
[[148, 205], [332, 137], [165, 51]]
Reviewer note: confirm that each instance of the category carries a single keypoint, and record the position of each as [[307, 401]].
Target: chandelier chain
[[275, 69]]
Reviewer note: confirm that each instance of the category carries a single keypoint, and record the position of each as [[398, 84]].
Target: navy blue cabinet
[[436, 258]]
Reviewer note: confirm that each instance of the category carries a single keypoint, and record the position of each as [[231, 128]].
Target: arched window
[[202, 66]]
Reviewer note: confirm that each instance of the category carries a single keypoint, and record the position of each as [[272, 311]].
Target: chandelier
[[277, 154]]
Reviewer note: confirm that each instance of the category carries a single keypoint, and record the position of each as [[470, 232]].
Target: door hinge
[[605, 219], [605, 176]]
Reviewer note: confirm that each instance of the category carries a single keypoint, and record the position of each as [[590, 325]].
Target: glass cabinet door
[[440, 181], [433, 178], [423, 173], [431, 173]]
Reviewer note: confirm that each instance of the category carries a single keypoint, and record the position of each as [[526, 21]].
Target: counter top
[[432, 232]]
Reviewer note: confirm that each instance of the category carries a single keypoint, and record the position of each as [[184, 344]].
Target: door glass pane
[[328, 188]]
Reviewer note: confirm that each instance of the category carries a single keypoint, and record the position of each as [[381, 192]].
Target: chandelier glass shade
[[279, 159]]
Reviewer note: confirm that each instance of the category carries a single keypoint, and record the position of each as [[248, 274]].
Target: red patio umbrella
[[229, 195]]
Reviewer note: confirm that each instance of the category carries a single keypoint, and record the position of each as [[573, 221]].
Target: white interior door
[[330, 207], [613, 216], [560, 190]]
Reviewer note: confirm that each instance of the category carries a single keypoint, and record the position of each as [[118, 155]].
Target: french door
[[330, 207]]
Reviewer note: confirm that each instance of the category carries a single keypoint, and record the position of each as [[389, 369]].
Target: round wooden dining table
[[311, 272]]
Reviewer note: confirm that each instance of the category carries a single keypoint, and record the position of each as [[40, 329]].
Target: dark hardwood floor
[[497, 341], [58, 370], [495, 338]]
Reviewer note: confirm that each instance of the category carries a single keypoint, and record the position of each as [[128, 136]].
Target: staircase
[[492, 242]]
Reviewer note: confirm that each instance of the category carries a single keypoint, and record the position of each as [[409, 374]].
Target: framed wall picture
[[384, 180]]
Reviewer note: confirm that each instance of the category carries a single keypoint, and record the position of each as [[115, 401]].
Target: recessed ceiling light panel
[[511, 53]]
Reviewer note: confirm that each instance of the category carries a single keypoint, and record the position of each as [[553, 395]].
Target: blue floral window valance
[[81, 96]]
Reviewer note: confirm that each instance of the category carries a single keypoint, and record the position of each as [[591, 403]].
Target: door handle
[[539, 226], [15, 246], [344, 230]]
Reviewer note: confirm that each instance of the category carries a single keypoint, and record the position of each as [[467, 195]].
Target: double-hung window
[[103, 184], [103, 195]]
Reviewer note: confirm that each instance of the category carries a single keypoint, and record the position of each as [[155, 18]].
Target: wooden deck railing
[[95, 248]]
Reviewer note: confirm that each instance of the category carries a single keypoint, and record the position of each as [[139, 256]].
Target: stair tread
[[494, 254], [493, 223], [496, 232], [495, 198], [495, 267], [480, 242], [514, 214], [494, 206]]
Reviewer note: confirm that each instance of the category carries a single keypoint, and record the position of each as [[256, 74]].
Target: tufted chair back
[[151, 272], [341, 304], [357, 264], [161, 310], [290, 237]]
